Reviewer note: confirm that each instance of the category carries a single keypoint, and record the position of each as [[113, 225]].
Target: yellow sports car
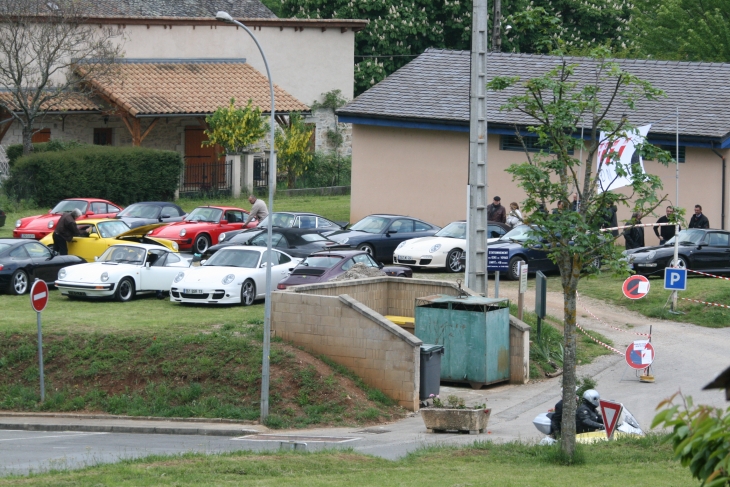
[[103, 233]]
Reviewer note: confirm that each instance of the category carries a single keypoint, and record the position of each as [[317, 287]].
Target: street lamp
[[226, 17]]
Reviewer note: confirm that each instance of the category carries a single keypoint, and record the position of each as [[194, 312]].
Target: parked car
[[297, 242], [39, 226], [149, 212], [122, 272], [297, 219], [201, 228], [379, 235], [105, 233], [2, 218], [444, 249], [234, 275], [513, 241], [23, 261], [705, 250], [326, 265]]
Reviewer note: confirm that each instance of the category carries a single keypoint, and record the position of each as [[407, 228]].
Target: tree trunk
[[27, 139], [570, 286], [497, 27]]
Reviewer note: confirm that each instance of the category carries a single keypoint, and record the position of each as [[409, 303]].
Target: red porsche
[[201, 228], [39, 226]]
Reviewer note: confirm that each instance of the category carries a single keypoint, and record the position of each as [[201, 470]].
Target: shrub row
[[121, 174]]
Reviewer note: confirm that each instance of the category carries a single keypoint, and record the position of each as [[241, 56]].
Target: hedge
[[123, 175], [15, 151]]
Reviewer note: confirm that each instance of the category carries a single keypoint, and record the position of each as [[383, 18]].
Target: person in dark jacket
[[586, 417], [496, 212], [666, 232], [65, 231], [610, 220], [634, 236], [699, 220], [556, 420]]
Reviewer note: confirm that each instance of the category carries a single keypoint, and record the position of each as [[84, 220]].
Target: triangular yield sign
[[610, 411]]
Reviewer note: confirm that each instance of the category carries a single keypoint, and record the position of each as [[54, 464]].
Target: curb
[[155, 430], [24, 414]]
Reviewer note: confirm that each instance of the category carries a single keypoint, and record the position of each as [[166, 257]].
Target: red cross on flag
[[618, 151]]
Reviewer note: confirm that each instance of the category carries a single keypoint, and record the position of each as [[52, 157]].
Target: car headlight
[[149, 232], [175, 246], [183, 232], [228, 279], [651, 255], [104, 276], [401, 244], [62, 273], [50, 224], [434, 248], [221, 237], [17, 223], [179, 277]]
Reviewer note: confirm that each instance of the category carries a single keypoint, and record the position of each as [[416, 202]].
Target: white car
[[442, 250], [123, 271], [233, 275]]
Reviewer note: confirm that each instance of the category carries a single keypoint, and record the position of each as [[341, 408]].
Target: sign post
[[610, 411], [522, 270], [540, 301], [38, 301]]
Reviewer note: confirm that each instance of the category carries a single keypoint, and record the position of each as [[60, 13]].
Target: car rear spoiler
[[343, 225]]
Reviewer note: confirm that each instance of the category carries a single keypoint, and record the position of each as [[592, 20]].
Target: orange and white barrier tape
[[640, 225], [710, 275], [706, 303], [604, 345], [610, 326]]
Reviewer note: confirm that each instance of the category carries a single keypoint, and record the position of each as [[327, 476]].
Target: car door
[[163, 267], [278, 271], [88, 247], [714, 254], [399, 230], [44, 266], [19, 256]]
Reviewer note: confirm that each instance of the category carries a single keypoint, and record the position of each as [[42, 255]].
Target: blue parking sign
[[675, 279]]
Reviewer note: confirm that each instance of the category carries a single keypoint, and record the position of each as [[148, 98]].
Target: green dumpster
[[474, 332]]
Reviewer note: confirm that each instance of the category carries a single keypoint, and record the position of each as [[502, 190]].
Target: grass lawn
[[620, 462]]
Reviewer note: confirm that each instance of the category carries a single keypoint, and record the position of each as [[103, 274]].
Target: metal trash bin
[[430, 371]]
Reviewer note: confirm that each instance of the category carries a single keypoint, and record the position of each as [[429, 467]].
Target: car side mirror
[[95, 236], [89, 213], [147, 265], [165, 216], [96, 259], [380, 265], [264, 264], [203, 261], [224, 222], [391, 231], [291, 269]]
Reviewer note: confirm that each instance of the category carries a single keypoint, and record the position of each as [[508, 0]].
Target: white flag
[[625, 147]]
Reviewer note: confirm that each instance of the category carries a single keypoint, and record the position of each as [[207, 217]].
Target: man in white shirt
[[258, 209]]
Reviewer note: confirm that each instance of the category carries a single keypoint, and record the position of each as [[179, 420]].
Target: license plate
[[192, 291], [76, 293], [404, 257], [27, 235]]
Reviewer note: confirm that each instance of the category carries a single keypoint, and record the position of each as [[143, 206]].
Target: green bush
[[120, 174], [326, 170], [15, 151]]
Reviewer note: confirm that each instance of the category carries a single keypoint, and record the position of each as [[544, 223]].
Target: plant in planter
[[454, 415]]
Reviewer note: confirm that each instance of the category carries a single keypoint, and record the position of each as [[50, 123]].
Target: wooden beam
[[203, 123], [146, 132]]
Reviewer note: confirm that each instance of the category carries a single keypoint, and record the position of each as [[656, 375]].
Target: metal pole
[[676, 204], [496, 284], [40, 357], [520, 294], [225, 17]]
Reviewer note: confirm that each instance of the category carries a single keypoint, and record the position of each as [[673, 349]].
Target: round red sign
[[636, 287], [39, 295], [640, 355]]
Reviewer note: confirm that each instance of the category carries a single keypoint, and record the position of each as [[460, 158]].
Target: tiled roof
[[179, 87], [68, 102], [434, 87], [177, 8]]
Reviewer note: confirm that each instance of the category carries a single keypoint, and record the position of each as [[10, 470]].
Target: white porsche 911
[[123, 271], [233, 275], [442, 250]]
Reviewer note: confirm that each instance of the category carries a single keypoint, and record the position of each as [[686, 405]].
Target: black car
[[149, 212], [22, 261], [293, 219], [379, 235], [705, 250], [297, 242]]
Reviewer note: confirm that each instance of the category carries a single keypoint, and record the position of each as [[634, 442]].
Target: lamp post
[[226, 17]]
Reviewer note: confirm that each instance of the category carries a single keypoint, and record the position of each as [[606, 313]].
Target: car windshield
[[123, 254], [326, 261], [234, 258], [112, 229], [284, 220], [688, 237], [205, 214], [453, 230], [371, 224], [140, 211], [243, 237], [520, 233], [70, 205]]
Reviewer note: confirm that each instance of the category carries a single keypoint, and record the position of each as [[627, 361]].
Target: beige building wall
[[423, 173]]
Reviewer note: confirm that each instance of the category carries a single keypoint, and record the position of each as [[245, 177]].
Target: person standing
[[666, 232], [66, 230], [634, 236], [258, 209], [496, 212], [699, 220], [610, 220], [515, 215]]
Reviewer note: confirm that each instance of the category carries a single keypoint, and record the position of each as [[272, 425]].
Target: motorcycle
[[627, 426]]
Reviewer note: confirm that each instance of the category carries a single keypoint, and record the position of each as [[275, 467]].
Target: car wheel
[[19, 282], [514, 263], [595, 263], [367, 248], [201, 244], [248, 292], [453, 261], [125, 290], [681, 261]]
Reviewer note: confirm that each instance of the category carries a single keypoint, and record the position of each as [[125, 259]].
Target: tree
[[235, 129], [700, 437], [293, 148], [42, 46], [559, 104], [685, 30]]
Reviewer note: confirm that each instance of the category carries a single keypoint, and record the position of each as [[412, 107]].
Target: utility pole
[[476, 261], [497, 27]]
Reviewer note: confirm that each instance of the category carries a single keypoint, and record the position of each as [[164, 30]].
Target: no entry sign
[[610, 411], [636, 287], [39, 295], [640, 354]]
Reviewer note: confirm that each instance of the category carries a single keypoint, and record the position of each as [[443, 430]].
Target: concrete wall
[[519, 351], [382, 354], [423, 173]]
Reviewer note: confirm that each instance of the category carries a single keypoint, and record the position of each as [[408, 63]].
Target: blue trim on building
[[385, 122]]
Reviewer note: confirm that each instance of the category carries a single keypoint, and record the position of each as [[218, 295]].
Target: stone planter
[[472, 420]]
